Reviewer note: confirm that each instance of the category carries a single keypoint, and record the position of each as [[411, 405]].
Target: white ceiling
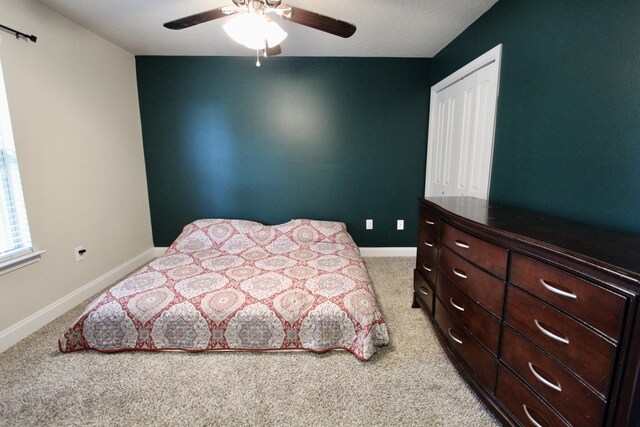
[[385, 28]]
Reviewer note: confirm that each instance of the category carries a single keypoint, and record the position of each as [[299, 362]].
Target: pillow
[[233, 235]]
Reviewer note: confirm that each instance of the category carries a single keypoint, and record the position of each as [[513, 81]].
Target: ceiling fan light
[[246, 29], [275, 34], [253, 30]]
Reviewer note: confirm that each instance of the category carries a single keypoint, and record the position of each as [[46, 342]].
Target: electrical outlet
[[369, 224], [400, 225], [80, 251]]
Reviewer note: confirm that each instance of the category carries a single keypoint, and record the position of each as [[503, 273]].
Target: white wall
[[73, 102]]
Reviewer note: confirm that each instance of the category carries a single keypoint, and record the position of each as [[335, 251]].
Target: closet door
[[461, 130]]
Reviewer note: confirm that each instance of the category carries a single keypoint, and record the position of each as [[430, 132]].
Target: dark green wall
[[568, 126], [325, 138]]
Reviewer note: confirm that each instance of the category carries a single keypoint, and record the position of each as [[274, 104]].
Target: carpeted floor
[[410, 382]]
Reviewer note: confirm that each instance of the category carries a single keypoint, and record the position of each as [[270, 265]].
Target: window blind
[[15, 239]]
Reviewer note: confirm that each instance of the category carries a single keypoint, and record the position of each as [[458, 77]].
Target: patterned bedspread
[[241, 285]]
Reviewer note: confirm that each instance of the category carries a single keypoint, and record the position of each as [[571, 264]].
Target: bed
[[241, 285]]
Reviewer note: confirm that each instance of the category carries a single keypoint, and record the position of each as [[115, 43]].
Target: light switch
[[369, 224], [400, 224]]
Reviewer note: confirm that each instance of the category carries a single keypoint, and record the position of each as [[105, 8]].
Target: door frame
[[493, 55]]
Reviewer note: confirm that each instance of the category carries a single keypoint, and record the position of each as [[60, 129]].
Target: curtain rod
[[19, 34]]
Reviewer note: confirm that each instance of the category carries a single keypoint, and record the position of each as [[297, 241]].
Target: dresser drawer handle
[[456, 306], [526, 412], [427, 268], [551, 335], [429, 222], [453, 337], [557, 291], [462, 245], [543, 380], [424, 290], [459, 273], [428, 243]]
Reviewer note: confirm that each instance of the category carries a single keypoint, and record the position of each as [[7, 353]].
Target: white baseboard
[[26, 327], [159, 251], [388, 252]]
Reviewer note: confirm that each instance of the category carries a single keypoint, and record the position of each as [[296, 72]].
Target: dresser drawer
[[478, 321], [429, 220], [427, 239], [563, 391], [426, 263], [528, 408], [423, 290], [581, 350], [479, 285], [602, 309], [481, 362], [487, 255]]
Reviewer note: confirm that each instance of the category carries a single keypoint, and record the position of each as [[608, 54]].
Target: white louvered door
[[461, 130]]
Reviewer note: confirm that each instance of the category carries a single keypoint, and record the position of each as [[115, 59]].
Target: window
[[15, 239]]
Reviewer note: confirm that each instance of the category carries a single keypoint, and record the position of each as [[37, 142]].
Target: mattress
[[241, 285]]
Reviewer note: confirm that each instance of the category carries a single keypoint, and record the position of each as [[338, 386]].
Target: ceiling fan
[[252, 25]]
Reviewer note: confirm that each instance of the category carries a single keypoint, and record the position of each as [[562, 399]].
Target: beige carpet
[[410, 382]]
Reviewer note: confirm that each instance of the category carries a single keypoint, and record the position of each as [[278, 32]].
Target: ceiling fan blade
[[273, 51], [199, 18], [319, 22]]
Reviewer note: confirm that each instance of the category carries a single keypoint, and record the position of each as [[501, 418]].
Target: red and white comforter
[[241, 285]]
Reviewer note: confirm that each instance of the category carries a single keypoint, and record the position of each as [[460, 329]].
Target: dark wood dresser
[[540, 315]]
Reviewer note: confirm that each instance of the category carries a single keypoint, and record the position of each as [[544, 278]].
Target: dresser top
[[615, 248]]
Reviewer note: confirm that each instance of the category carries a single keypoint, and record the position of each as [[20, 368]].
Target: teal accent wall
[[568, 125], [324, 138]]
